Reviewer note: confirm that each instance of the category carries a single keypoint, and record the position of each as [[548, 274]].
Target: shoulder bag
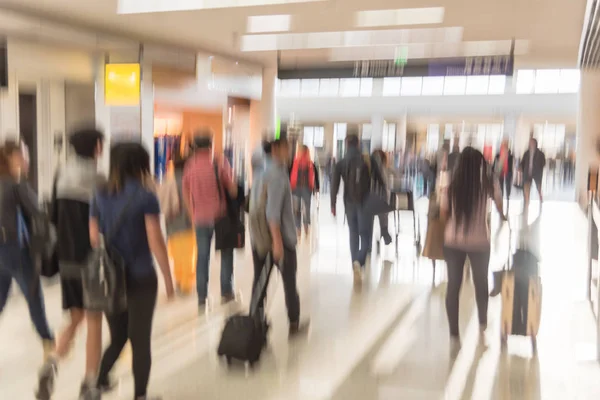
[[104, 277], [230, 229]]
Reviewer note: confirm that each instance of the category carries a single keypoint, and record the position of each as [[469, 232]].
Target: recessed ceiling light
[[147, 6], [402, 16], [269, 23], [326, 40]]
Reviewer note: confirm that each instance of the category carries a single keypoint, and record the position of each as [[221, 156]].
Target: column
[[588, 131], [126, 122], [401, 134], [377, 123], [262, 114]]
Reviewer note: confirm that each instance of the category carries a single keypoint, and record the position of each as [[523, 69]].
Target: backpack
[[260, 235], [358, 178]]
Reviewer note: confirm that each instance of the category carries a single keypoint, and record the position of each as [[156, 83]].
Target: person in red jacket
[[304, 181]]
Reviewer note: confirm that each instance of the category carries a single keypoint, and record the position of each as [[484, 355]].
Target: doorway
[[28, 128]]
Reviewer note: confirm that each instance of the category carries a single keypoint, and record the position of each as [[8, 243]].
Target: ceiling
[[548, 31]]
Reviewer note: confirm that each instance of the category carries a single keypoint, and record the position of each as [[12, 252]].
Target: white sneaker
[[358, 273]]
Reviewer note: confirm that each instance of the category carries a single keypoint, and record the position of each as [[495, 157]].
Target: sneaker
[[46, 379], [89, 391], [297, 328], [227, 298], [108, 386], [48, 345], [357, 270]]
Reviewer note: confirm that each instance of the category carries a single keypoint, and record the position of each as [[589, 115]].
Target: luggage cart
[[405, 201]]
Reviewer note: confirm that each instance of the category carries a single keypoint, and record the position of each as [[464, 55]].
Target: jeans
[[302, 196], [288, 276], [360, 225], [16, 263], [204, 236], [455, 259], [135, 325]]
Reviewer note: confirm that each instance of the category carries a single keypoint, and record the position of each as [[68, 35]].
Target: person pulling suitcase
[[273, 239]]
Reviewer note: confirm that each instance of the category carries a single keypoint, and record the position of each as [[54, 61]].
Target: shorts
[[72, 293]]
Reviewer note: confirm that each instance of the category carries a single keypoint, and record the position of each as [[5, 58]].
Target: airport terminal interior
[[414, 81]]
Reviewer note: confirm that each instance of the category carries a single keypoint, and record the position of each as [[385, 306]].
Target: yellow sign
[[122, 85]]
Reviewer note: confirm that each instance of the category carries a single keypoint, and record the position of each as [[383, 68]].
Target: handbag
[[104, 276], [379, 200], [230, 229]]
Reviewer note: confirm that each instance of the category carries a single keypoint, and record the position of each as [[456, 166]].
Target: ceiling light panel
[[153, 6], [325, 40], [417, 51], [269, 23], [402, 16]]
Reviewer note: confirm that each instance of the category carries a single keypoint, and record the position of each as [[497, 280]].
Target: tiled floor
[[386, 341]]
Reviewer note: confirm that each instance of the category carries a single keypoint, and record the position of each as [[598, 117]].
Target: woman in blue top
[[138, 238]]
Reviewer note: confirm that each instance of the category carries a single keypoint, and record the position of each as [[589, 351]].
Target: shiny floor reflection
[[388, 340]]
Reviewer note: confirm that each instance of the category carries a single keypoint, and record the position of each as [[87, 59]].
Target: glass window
[[339, 130], [546, 80], [289, 88], [497, 84], [477, 84], [433, 86], [366, 87], [329, 87], [309, 88], [455, 85], [448, 131], [569, 81], [309, 133], [367, 130], [319, 137], [411, 86], [391, 86], [433, 137], [350, 87], [389, 137], [525, 81]]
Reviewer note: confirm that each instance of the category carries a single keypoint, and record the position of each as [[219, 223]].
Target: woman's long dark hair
[[128, 161], [469, 184]]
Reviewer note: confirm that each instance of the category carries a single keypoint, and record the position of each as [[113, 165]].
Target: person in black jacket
[[532, 167], [73, 188], [356, 189], [18, 202], [503, 169]]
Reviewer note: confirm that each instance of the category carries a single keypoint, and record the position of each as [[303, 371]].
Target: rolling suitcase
[[522, 298], [245, 336]]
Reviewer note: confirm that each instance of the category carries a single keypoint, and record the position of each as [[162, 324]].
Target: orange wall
[[194, 119]]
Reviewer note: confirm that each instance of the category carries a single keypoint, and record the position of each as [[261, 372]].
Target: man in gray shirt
[[280, 217]]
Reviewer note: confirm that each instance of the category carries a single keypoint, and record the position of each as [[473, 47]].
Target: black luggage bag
[[245, 336]]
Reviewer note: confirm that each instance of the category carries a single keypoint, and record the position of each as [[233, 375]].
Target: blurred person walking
[[18, 203], [467, 233], [503, 169], [204, 206], [379, 161], [304, 182], [532, 166], [274, 184], [355, 170], [72, 191], [128, 203]]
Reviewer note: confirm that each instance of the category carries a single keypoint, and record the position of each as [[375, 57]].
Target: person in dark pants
[[467, 234], [503, 169], [138, 238], [356, 189], [282, 226], [532, 166], [19, 203]]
